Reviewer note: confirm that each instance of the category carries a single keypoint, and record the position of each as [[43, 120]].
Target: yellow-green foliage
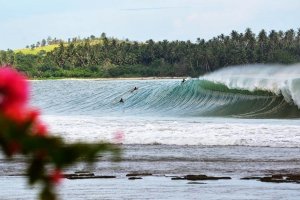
[[49, 48], [36, 50]]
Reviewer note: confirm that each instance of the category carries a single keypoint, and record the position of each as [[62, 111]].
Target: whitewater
[[255, 105]]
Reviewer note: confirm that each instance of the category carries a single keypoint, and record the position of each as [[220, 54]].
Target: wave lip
[[254, 91], [277, 79]]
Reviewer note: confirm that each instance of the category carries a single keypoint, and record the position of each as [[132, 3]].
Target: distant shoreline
[[108, 79]]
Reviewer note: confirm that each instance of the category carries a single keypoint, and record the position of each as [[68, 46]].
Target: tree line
[[110, 57]]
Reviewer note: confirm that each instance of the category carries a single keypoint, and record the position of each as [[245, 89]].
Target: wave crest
[[277, 79]]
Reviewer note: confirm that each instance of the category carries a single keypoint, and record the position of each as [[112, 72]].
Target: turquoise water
[[167, 98], [231, 107], [238, 122]]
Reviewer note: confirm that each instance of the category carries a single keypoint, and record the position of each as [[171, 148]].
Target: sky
[[24, 22]]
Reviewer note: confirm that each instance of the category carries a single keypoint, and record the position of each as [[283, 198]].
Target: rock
[[277, 176], [193, 182], [16, 175], [294, 177], [266, 179], [195, 177], [178, 178], [218, 178], [79, 174], [89, 177], [139, 174], [251, 178], [203, 177], [68, 175], [82, 172], [271, 180], [84, 175], [134, 178]]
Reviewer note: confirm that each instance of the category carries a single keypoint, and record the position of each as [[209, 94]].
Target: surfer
[[135, 88], [121, 100], [183, 80]]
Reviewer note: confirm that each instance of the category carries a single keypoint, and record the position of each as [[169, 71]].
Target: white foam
[[180, 131], [278, 79]]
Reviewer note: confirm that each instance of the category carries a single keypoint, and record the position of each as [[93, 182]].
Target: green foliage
[[23, 132], [109, 57], [43, 152]]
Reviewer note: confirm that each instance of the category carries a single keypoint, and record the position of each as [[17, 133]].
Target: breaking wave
[[254, 91]]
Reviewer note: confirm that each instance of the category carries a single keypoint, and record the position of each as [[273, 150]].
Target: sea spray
[[278, 79]]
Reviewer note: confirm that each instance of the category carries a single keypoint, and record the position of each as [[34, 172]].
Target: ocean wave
[[253, 91]]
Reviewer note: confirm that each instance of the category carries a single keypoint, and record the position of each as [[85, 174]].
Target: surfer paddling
[[135, 88], [121, 100]]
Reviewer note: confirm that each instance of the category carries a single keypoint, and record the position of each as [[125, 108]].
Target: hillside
[[50, 47], [36, 50]]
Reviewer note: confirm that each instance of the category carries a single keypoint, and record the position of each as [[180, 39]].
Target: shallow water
[[154, 188]]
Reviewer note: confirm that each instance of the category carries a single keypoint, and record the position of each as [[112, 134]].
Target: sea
[[238, 121]]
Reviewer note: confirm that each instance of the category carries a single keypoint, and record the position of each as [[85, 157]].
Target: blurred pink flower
[[13, 88], [56, 176], [40, 129], [118, 136]]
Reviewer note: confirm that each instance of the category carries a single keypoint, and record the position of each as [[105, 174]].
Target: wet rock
[[84, 175], [272, 180], [68, 175], [293, 177], [251, 178], [218, 178], [134, 178], [82, 172], [139, 174], [178, 178], [277, 176], [266, 179], [16, 175], [79, 174], [90, 177], [193, 182], [203, 177], [195, 177]]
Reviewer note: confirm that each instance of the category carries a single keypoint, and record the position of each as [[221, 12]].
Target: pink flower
[[33, 115], [118, 136], [13, 89], [41, 129], [22, 115], [56, 176]]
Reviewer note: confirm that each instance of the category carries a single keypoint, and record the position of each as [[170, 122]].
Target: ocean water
[[237, 106], [239, 121]]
